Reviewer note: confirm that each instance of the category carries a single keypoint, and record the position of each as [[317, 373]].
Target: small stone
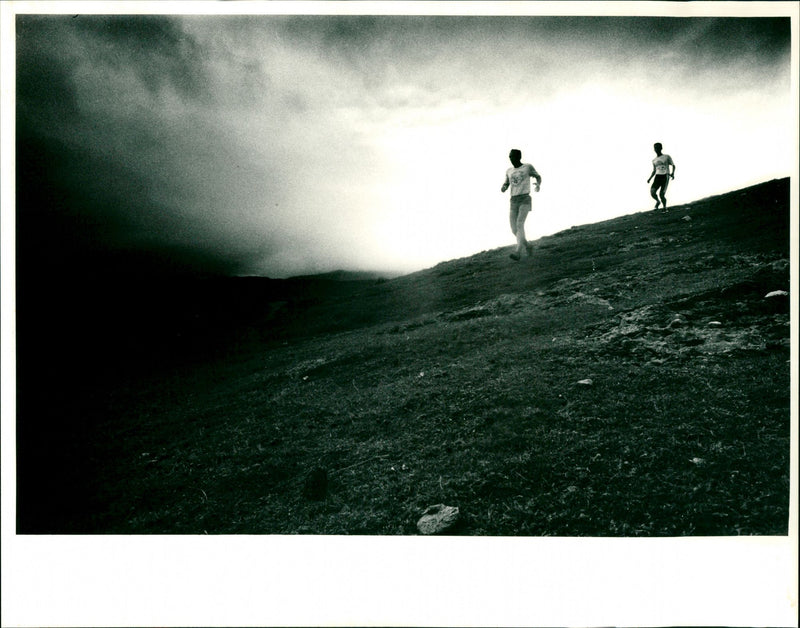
[[586, 382], [438, 518], [777, 293], [687, 218], [714, 324]]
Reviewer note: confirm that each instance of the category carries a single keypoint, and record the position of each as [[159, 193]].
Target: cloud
[[122, 112], [288, 144]]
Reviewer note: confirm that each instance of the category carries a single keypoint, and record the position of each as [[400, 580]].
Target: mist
[[281, 145]]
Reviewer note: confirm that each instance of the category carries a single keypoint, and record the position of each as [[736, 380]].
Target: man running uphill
[[661, 165], [518, 179]]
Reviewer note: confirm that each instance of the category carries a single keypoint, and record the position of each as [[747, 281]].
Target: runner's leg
[[664, 192], [653, 189], [522, 242], [512, 217]]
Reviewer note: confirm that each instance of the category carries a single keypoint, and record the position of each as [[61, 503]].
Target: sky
[[280, 145]]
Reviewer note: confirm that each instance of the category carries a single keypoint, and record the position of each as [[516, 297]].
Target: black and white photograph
[[362, 301]]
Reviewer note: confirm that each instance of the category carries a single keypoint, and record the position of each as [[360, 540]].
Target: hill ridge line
[[674, 244]]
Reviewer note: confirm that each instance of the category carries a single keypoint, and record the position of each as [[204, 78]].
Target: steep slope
[[630, 379], [682, 250]]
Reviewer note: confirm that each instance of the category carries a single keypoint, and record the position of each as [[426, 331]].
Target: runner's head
[[657, 147], [515, 156]]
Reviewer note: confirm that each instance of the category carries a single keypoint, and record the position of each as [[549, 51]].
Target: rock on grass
[[437, 519]]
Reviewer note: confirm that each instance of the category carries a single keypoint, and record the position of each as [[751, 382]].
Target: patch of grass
[[461, 385]]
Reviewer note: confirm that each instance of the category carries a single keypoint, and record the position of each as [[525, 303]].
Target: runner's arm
[[505, 185]]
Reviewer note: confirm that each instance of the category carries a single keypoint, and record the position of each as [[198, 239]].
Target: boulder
[[437, 519]]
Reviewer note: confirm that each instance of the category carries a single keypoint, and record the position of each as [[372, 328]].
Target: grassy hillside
[[630, 378]]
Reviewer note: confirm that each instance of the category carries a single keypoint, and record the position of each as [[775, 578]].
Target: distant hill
[[348, 275]]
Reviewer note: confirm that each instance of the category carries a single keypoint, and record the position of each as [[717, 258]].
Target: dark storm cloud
[[183, 137], [454, 53], [767, 38], [93, 155], [155, 46]]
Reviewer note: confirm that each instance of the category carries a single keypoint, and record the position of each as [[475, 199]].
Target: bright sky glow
[[283, 145]]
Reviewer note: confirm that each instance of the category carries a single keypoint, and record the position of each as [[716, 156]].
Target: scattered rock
[[438, 518], [780, 265], [776, 293], [591, 299], [316, 484], [586, 382], [470, 313], [714, 324], [687, 218]]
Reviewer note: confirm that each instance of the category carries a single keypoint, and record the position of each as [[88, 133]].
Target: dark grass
[[456, 385]]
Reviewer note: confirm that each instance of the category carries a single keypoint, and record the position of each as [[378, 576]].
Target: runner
[[661, 165], [518, 179]]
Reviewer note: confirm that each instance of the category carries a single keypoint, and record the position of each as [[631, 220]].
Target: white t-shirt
[[662, 164], [519, 179]]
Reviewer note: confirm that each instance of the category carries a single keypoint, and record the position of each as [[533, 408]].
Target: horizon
[[284, 145], [388, 274]]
